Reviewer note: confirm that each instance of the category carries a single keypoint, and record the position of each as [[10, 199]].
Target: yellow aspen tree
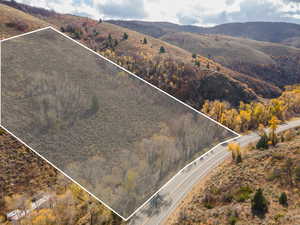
[[273, 123]]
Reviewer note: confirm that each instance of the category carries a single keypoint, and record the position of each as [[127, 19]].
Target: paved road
[[157, 211]]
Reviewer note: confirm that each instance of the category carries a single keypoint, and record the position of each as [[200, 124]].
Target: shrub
[[208, 205], [259, 204], [288, 135], [145, 41], [232, 220], [275, 174], [2, 131], [125, 36], [197, 63], [283, 199], [297, 173], [2, 218], [162, 49], [263, 142], [238, 158], [19, 25], [243, 194], [278, 216]]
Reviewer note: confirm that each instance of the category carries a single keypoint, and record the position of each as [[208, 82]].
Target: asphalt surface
[[157, 211]]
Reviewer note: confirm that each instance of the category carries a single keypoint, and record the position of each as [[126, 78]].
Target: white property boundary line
[[108, 60]]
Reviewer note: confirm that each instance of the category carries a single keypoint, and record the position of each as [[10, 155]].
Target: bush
[[19, 25], [238, 159], [145, 41], [283, 199], [2, 218], [232, 220], [288, 135], [259, 204], [162, 49], [125, 36], [243, 194], [263, 142], [197, 63], [208, 205], [297, 173]]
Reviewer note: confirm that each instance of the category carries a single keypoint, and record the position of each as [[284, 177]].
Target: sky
[[187, 12]]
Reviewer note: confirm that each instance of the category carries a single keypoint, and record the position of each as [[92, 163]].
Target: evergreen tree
[[263, 142], [197, 63], [109, 37], [145, 41], [238, 158], [125, 36], [162, 49], [283, 199], [259, 204]]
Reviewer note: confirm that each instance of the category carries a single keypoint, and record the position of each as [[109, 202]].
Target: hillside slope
[[14, 22], [174, 71], [271, 62], [274, 63], [225, 196]]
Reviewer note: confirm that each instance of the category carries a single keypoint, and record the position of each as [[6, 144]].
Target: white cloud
[[178, 11]]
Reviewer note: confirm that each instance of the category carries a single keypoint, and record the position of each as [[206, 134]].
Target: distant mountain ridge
[[257, 49], [277, 32]]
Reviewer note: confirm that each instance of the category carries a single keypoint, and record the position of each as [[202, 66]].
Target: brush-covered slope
[[274, 63], [14, 22], [173, 69], [225, 196]]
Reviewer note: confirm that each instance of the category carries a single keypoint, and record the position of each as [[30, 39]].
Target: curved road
[[158, 210]]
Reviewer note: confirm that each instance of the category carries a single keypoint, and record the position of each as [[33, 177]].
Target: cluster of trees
[[90, 34], [71, 205], [149, 165], [164, 72], [250, 115]]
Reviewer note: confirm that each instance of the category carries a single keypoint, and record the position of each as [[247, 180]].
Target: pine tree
[[263, 142], [283, 199], [145, 41], [197, 63], [125, 36], [162, 49], [239, 158], [259, 204]]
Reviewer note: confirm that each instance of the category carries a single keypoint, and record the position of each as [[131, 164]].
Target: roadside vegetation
[[261, 189], [249, 116]]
